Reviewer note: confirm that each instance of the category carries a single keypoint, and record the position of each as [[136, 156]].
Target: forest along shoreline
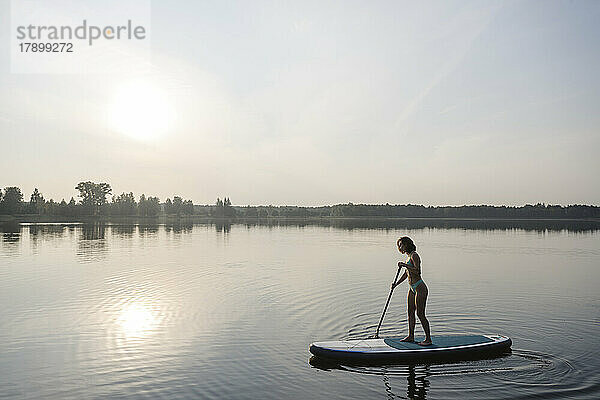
[[96, 203]]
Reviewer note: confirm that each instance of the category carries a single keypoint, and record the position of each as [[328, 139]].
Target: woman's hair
[[408, 244]]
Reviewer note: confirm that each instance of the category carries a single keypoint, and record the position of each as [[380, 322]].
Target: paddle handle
[[387, 303]]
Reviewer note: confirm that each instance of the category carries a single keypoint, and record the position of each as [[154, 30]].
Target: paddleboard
[[392, 349]]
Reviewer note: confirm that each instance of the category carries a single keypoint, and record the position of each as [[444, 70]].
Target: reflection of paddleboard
[[392, 349]]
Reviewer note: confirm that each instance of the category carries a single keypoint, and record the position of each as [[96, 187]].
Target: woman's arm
[[411, 268], [402, 278]]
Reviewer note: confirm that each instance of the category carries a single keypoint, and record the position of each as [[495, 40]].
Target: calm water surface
[[209, 311]]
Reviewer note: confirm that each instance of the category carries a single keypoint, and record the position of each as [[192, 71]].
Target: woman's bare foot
[[425, 343], [410, 339]]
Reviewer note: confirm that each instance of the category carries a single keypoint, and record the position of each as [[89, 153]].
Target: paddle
[[386, 304]]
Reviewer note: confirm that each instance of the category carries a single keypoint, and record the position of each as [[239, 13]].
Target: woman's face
[[401, 247]]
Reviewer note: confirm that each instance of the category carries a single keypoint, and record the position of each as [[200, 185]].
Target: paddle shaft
[[386, 304]]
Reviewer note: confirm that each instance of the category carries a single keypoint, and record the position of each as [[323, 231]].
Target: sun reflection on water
[[138, 319]]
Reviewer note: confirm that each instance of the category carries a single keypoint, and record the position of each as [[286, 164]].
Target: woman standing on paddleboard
[[417, 292]]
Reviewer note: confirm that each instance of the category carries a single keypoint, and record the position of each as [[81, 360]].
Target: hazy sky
[[311, 103]]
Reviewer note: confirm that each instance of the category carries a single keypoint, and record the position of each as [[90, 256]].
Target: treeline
[[539, 210], [94, 201]]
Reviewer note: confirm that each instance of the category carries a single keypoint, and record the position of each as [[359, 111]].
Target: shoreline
[[41, 219]]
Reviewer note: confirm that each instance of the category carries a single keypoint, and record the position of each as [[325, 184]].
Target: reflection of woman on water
[[417, 292]]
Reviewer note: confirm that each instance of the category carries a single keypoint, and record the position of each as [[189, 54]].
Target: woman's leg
[[410, 308], [421, 301]]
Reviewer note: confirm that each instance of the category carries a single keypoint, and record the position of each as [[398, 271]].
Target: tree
[[219, 208], [148, 207], [177, 205], [188, 207], [142, 206], [52, 208], [168, 207], [63, 207], [12, 201], [153, 206], [93, 195], [124, 204], [71, 208], [36, 202], [228, 210], [250, 211]]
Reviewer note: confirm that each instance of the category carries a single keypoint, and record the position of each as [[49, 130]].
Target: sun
[[141, 110]]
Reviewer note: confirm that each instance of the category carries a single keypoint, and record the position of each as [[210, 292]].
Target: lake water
[[228, 311]]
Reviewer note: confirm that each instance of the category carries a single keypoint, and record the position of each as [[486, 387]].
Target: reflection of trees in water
[[539, 225], [10, 242], [10, 237], [222, 226], [93, 231], [179, 227], [123, 231], [11, 226], [92, 245], [38, 233], [11, 233], [148, 230], [46, 231]]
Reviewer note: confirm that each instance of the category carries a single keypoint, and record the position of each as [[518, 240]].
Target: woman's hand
[[409, 268]]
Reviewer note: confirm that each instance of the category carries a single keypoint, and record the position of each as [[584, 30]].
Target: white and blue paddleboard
[[393, 349]]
